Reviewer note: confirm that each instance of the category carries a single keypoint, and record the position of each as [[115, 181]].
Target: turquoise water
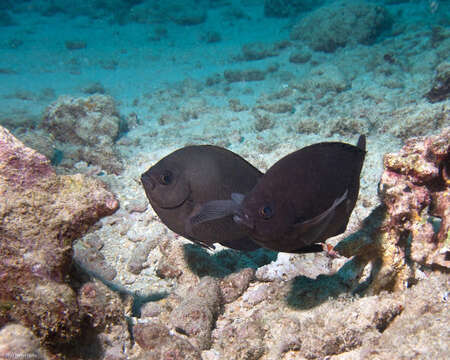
[[136, 48]]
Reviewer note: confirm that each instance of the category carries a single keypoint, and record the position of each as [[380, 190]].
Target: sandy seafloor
[[168, 76]]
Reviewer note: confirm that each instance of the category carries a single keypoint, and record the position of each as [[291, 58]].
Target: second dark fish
[[180, 183]]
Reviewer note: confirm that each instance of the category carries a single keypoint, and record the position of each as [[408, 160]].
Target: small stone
[[167, 271], [93, 262], [150, 309], [94, 88], [441, 85], [75, 45], [94, 241], [150, 335], [300, 57], [234, 285], [123, 228], [257, 294], [138, 205], [243, 339], [135, 235], [289, 266], [102, 305], [195, 316], [139, 256], [244, 75], [155, 338], [258, 51]]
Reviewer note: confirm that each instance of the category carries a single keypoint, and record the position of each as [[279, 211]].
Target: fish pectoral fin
[[211, 210], [237, 198], [319, 223], [203, 244]]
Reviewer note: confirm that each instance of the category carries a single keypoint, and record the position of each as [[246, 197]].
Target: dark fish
[[302, 200], [179, 184]]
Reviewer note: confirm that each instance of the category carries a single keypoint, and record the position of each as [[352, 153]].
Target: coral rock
[[234, 285], [414, 228], [106, 313], [441, 85], [242, 340], [285, 8], [195, 315], [38, 223], [21, 166], [86, 129], [155, 339], [341, 24]]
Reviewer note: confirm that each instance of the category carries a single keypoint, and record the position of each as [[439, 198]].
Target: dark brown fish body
[[179, 184], [304, 198]]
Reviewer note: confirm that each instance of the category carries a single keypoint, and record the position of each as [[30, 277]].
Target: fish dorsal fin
[[362, 142], [322, 220]]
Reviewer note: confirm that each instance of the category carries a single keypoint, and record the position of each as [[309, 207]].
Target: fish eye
[[266, 212], [166, 177]]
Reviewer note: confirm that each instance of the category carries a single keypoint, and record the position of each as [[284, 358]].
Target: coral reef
[[105, 312], [21, 167], [195, 316], [259, 50], [86, 130], [413, 230], [244, 75], [158, 343], [342, 24], [408, 121], [441, 84], [323, 79], [285, 8], [40, 215]]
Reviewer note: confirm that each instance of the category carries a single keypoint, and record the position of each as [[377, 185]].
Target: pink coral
[[21, 166], [415, 190]]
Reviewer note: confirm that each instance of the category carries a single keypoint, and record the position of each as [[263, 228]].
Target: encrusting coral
[[412, 230], [41, 213]]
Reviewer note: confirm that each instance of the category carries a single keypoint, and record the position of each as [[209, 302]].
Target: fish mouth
[[148, 182], [241, 218]]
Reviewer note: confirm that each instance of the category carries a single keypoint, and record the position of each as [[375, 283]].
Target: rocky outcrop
[[86, 130], [413, 227], [40, 215], [342, 24]]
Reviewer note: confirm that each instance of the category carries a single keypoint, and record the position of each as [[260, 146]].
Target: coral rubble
[[341, 24], [86, 129], [441, 85]]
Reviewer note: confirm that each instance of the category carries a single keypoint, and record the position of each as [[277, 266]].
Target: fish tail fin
[[362, 142]]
